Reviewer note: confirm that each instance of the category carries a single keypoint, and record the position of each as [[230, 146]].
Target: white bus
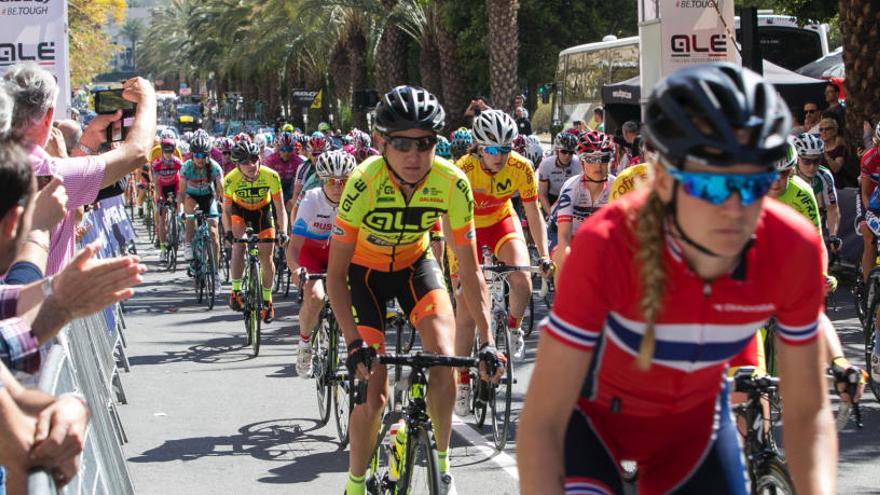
[[583, 70]]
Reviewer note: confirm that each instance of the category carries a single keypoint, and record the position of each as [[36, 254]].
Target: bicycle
[[148, 214], [225, 253], [496, 398], [328, 366], [765, 462], [252, 288], [871, 306], [411, 464], [282, 272], [203, 267], [172, 231]]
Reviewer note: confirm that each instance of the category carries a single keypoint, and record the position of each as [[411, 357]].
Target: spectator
[[581, 126], [477, 105], [811, 120], [836, 154], [72, 132], [835, 109], [34, 91], [522, 122], [599, 119], [626, 145], [520, 102]]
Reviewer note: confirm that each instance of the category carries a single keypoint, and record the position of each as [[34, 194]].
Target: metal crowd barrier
[[85, 359]]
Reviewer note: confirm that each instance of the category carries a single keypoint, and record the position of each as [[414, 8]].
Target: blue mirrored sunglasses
[[200, 155], [285, 149], [495, 150], [718, 188]]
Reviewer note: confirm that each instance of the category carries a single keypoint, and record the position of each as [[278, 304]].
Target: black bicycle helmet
[[719, 114], [201, 143], [409, 107], [565, 141], [245, 151]]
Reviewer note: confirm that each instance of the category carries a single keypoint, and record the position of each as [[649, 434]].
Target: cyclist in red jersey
[[662, 288]]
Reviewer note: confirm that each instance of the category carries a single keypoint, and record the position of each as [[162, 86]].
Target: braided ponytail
[[649, 233]]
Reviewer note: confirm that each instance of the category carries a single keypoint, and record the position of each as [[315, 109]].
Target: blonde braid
[[649, 234]]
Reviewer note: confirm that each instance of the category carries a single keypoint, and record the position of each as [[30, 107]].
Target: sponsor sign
[[36, 31], [303, 97], [694, 32]]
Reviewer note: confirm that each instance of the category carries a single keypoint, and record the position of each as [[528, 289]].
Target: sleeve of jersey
[[802, 293], [352, 208], [575, 320], [461, 212], [564, 205], [275, 186], [529, 189]]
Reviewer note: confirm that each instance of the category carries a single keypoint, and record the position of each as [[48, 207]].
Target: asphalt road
[[205, 416]]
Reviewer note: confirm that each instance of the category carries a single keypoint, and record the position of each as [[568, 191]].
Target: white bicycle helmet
[[334, 163], [877, 132], [789, 160], [534, 150], [808, 145], [494, 128]]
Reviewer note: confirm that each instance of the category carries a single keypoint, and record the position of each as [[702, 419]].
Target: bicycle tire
[[224, 263], [501, 417], [210, 271], [411, 341], [256, 295], [343, 401], [322, 353], [770, 350], [246, 307], [870, 327], [421, 474], [287, 284], [528, 321], [772, 478]]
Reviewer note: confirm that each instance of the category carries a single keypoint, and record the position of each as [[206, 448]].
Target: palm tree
[[861, 55], [133, 30], [503, 51]]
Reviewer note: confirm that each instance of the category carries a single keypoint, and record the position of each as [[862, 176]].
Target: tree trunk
[[455, 97], [428, 67], [357, 56], [861, 54], [340, 72], [390, 67], [503, 51]]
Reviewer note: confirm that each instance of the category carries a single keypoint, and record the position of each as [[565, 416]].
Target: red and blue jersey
[[701, 325]]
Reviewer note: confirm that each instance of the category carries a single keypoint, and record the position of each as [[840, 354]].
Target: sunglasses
[[496, 150], [285, 149], [809, 161], [405, 144], [810, 111], [200, 155], [250, 160], [566, 152], [336, 181], [168, 149], [599, 158], [718, 188]]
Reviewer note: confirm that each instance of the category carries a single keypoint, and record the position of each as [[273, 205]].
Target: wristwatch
[[85, 149], [46, 286]]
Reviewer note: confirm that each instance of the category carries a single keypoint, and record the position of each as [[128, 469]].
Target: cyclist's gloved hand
[[835, 243], [229, 236], [547, 266], [359, 353], [830, 283], [849, 380], [492, 362], [283, 238]]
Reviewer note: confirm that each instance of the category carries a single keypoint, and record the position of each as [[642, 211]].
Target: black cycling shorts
[[419, 289]]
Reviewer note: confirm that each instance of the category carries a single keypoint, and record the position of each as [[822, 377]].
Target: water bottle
[[400, 445], [394, 461]]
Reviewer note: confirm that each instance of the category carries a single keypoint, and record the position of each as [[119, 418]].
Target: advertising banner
[[36, 31], [696, 32]]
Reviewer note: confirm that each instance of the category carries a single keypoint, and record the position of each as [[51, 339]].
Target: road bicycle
[[148, 214], [172, 231], [282, 272], [203, 267], [328, 365], [252, 288], [409, 463], [871, 305]]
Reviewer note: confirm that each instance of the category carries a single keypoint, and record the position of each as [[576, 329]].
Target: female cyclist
[[662, 288]]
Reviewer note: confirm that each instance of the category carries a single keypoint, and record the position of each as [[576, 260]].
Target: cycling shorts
[[496, 235], [287, 190], [681, 453], [419, 289], [260, 220], [313, 256], [206, 203], [165, 190]]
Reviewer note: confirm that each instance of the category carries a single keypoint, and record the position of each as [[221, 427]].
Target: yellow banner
[[316, 104]]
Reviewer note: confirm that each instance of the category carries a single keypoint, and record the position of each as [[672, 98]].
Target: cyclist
[[557, 168], [285, 161], [165, 171], [495, 172], [679, 277], [309, 245], [810, 150], [167, 134], [251, 191], [533, 150], [380, 250], [460, 142], [202, 180], [225, 146], [869, 227], [631, 177], [443, 148], [583, 194]]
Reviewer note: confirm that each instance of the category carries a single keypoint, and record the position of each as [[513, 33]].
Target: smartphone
[[107, 102], [43, 181]]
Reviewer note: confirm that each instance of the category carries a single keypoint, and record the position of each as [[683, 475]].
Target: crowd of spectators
[[50, 170]]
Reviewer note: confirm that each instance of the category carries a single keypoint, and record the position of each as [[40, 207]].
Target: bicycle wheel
[[225, 256], [772, 478], [255, 294], [502, 393], [321, 359], [870, 328], [528, 321], [344, 404], [210, 274], [287, 284], [421, 474], [479, 391]]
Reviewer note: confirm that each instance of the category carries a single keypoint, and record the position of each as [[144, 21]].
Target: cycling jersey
[[286, 169], [575, 203], [628, 180], [550, 171], [304, 171], [314, 217], [870, 165], [492, 192], [391, 233], [823, 188], [166, 173], [799, 195], [199, 182], [252, 194]]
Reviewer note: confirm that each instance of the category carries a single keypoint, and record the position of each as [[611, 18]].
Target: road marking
[[503, 460]]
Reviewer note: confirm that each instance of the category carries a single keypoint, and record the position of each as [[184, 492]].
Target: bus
[[582, 70]]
